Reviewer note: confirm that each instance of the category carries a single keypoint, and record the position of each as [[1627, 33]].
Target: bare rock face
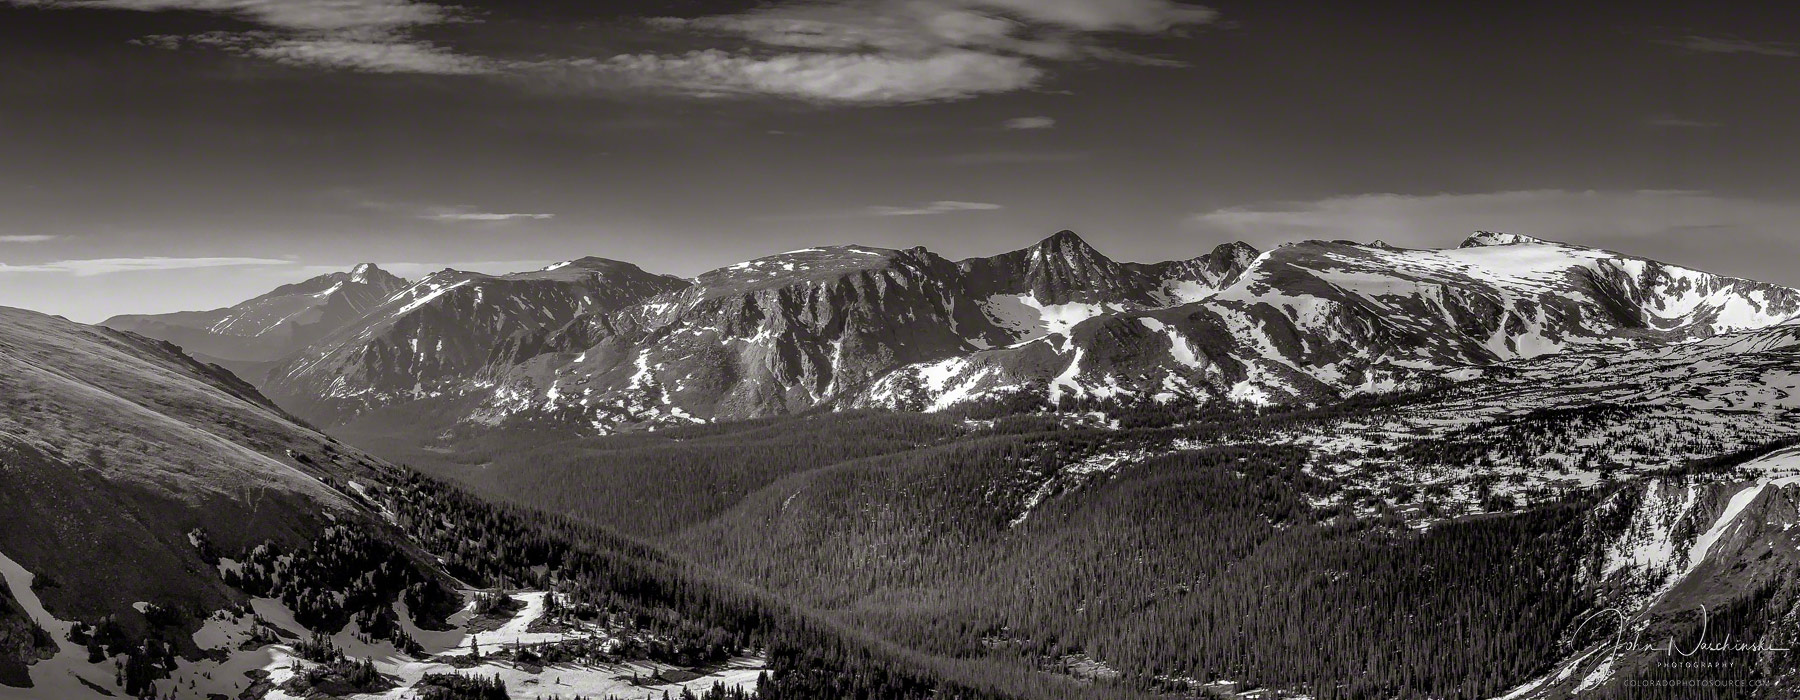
[[1058, 270], [820, 326], [770, 336], [1063, 268]]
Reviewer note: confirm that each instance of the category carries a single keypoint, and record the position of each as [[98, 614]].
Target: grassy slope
[[114, 447]]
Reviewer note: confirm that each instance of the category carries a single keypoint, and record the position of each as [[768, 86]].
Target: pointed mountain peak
[[370, 273], [330, 283], [1493, 238], [1238, 251], [1064, 240], [1065, 249]]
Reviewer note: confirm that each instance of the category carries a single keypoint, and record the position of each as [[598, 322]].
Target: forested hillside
[[1019, 545], [694, 614]]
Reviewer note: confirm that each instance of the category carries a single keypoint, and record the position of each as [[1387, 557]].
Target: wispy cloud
[[436, 212], [106, 266], [858, 52], [296, 15], [459, 216], [30, 238], [1733, 45], [891, 51], [372, 56], [819, 77], [932, 208], [1666, 121], [1030, 123], [357, 35], [1106, 15]]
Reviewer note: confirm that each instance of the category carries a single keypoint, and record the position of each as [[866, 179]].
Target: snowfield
[[63, 675]]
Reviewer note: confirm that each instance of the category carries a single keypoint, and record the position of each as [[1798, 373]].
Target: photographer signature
[[1635, 644]]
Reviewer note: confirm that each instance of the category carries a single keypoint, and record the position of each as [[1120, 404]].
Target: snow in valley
[[258, 667]]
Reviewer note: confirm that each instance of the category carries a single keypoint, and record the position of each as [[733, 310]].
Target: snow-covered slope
[[1526, 431], [273, 325], [1316, 320]]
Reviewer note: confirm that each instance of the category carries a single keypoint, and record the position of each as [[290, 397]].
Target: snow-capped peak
[[1493, 238], [370, 273]]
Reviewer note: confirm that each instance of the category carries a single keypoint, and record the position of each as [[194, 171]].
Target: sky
[[161, 155]]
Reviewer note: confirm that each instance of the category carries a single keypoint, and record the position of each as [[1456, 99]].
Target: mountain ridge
[[1317, 319], [272, 325], [603, 345], [446, 326], [807, 328]]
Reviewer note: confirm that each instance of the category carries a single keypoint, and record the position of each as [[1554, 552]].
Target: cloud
[[830, 51], [859, 52], [356, 35], [33, 238], [895, 51], [1106, 15], [858, 78], [295, 15], [933, 208], [1442, 219], [1730, 45], [1028, 123], [485, 216], [1665, 121], [106, 266], [372, 56], [437, 212]]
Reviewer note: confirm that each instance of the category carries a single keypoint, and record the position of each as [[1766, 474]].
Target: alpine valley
[[1511, 469]]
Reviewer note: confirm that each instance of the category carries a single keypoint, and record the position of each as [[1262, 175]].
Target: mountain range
[[1343, 470], [600, 346]]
